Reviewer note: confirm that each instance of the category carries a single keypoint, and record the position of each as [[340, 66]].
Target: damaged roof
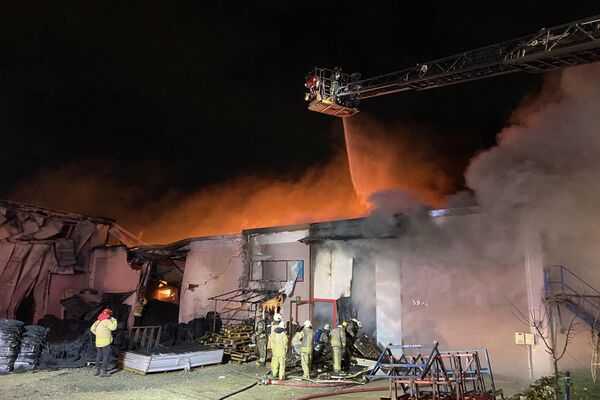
[[178, 249], [376, 226], [20, 221]]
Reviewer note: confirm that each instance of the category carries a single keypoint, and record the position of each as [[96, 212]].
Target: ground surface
[[208, 383]]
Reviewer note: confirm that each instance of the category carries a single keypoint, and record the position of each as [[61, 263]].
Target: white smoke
[[542, 180], [544, 175]]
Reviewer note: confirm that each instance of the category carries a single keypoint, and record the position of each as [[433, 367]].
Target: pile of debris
[[10, 336], [20, 347], [32, 344], [235, 340], [63, 330], [69, 354]]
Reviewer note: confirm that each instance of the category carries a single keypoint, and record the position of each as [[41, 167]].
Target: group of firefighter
[[337, 343]]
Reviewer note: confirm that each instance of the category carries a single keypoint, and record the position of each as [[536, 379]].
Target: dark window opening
[[26, 310]]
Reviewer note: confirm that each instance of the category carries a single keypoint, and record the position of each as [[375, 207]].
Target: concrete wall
[[388, 295], [333, 272], [342, 272], [213, 266], [110, 272], [441, 289], [59, 283]]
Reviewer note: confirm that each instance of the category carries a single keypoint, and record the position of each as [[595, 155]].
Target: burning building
[[440, 275]]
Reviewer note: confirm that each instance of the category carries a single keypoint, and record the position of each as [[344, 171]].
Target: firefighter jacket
[[261, 330], [279, 343], [297, 339], [337, 337], [324, 337], [352, 329], [103, 331], [307, 340]]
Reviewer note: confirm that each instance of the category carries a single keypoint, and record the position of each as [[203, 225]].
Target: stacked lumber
[[235, 340]]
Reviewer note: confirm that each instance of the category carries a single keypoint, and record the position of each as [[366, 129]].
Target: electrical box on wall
[[524, 338]]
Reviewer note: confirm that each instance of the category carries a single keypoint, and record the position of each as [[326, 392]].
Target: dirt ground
[[208, 383]]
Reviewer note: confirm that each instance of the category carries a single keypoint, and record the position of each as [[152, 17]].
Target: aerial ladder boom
[[333, 92]]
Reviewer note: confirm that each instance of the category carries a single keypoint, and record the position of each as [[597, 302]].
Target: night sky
[[183, 94]]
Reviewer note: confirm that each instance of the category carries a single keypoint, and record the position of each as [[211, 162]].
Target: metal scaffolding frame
[[247, 300], [425, 372]]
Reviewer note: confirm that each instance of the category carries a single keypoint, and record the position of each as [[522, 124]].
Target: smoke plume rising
[[387, 168], [537, 190]]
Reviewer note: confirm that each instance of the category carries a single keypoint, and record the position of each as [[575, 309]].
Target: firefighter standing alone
[[103, 329]]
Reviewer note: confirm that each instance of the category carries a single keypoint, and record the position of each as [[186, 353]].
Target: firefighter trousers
[[306, 359], [261, 344], [337, 358], [278, 366]]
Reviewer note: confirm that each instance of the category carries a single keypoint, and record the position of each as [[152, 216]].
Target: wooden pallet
[[242, 359], [134, 371], [235, 341]]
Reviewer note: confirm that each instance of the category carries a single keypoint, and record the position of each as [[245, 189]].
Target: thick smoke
[[543, 178], [538, 188], [545, 173]]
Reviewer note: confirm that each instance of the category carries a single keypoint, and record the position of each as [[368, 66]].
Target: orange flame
[[378, 158]]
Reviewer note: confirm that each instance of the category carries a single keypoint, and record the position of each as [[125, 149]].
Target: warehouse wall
[[284, 246], [213, 266], [439, 282], [110, 271]]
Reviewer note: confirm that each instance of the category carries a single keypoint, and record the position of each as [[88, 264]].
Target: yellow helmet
[[344, 324]]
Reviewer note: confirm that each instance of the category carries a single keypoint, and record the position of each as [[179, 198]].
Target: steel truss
[[561, 46], [335, 93]]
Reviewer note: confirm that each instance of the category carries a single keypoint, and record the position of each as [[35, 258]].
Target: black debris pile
[[366, 347], [160, 313], [198, 327], [69, 354], [32, 343], [10, 336], [63, 330], [173, 333], [81, 308], [214, 321]]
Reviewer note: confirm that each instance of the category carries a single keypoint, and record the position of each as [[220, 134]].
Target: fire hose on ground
[[343, 392], [238, 391], [307, 384]]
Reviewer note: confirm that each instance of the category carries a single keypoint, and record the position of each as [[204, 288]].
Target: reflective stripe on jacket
[[103, 331]]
